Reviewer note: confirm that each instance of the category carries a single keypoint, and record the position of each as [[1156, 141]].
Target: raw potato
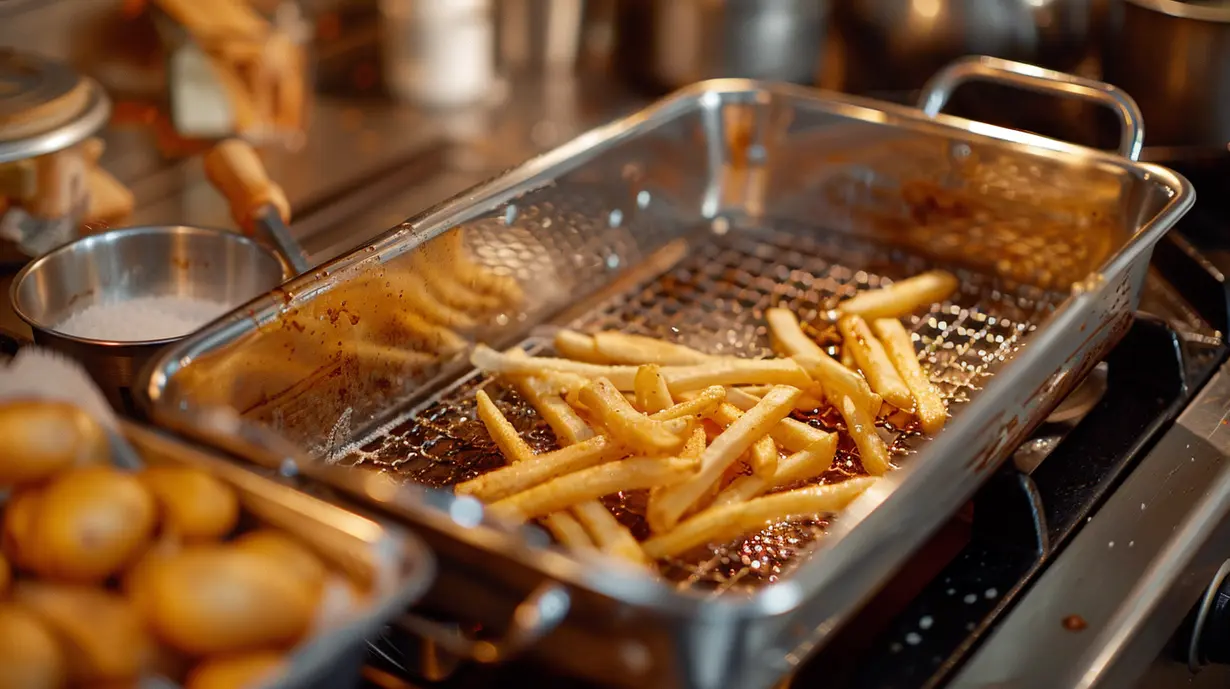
[[135, 583], [100, 632], [19, 516], [195, 506], [30, 657], [220, 599], [90, 523], [288, 553], [43, 438], [247, 671]]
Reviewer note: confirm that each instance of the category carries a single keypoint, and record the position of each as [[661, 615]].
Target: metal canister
[[48, 112]]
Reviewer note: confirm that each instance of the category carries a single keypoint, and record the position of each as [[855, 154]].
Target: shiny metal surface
[[667, 45], [27, 83], [1182, 80], [604, 209], [939, 89], [1105, 610], [143, 261], [903, 42]]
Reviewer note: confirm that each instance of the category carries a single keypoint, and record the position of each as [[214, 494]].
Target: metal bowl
[[135, 262]]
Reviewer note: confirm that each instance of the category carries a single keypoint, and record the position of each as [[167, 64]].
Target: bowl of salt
[[114, 299]]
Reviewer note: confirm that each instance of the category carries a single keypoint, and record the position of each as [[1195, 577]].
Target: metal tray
[[396, 563], [685, 221]]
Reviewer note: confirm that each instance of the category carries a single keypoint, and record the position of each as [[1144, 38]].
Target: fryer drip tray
[[714, 299]]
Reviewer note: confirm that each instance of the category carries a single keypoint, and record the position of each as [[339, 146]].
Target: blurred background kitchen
[[368, 111]]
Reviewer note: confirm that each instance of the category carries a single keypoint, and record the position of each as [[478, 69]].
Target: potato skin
[[30, 656], [88, 524], [42, 438], [246, 671], [194, 505], [212, 600]]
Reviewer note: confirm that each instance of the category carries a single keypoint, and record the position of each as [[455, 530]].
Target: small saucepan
[[113, 299]]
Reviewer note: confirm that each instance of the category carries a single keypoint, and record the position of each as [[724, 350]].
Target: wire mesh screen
[[714, 300]]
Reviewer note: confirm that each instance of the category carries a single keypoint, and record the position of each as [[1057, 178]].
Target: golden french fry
[[561, 525], [491, 361], [515, 478], [569, 428], [451, 247], [652, 395], [409, 325], [861, 427], [635, 473], [930, 406], [376, 355], [800, 466], [837, 380], [725, 522], [762, 457], [678, 378], [810, 400], [506, 437], [902, 297], [698, 403], [791, 434], [671, 503], [571, 534], [847, 358], [730, 371], [623, 348], [629, 426], [874, 362], [605, 530], [579, 346]]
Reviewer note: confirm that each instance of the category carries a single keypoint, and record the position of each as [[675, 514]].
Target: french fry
[[861, 427], [569, 428], [762, 457], [698, 403], [846, 357], [629, 426], [810, 400], [605, 530], [578, 346], [836, 380], [791, 434], [437, 338], [902, 297], [635, 473], [412, 291], [725, 522], [623, 348], [678, 378], [561, 525], [800, 466], [732, 371], [929, 405], [671, 503], [376, 355], [874, 362], [452, 247], [515, 478], [652, 395]]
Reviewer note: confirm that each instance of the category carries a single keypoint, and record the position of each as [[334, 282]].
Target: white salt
[[142, 318]]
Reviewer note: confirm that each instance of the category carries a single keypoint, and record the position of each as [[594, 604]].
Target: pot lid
[[45, 106]]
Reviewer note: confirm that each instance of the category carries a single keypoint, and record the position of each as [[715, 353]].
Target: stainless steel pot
[[665, 45], [899, 44], [1174, 58]]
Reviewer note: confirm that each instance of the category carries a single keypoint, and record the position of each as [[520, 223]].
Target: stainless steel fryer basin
[[685, 221]]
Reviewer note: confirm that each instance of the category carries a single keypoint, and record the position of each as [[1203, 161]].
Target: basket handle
[[939, 89], [541, 612]]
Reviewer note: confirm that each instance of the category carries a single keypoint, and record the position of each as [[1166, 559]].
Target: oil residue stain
[[1074, 623]]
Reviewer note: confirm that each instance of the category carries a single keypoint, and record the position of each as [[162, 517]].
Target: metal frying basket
[[686, 221]]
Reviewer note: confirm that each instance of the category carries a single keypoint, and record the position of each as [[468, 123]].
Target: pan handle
[[939, 89], [536, 616]]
